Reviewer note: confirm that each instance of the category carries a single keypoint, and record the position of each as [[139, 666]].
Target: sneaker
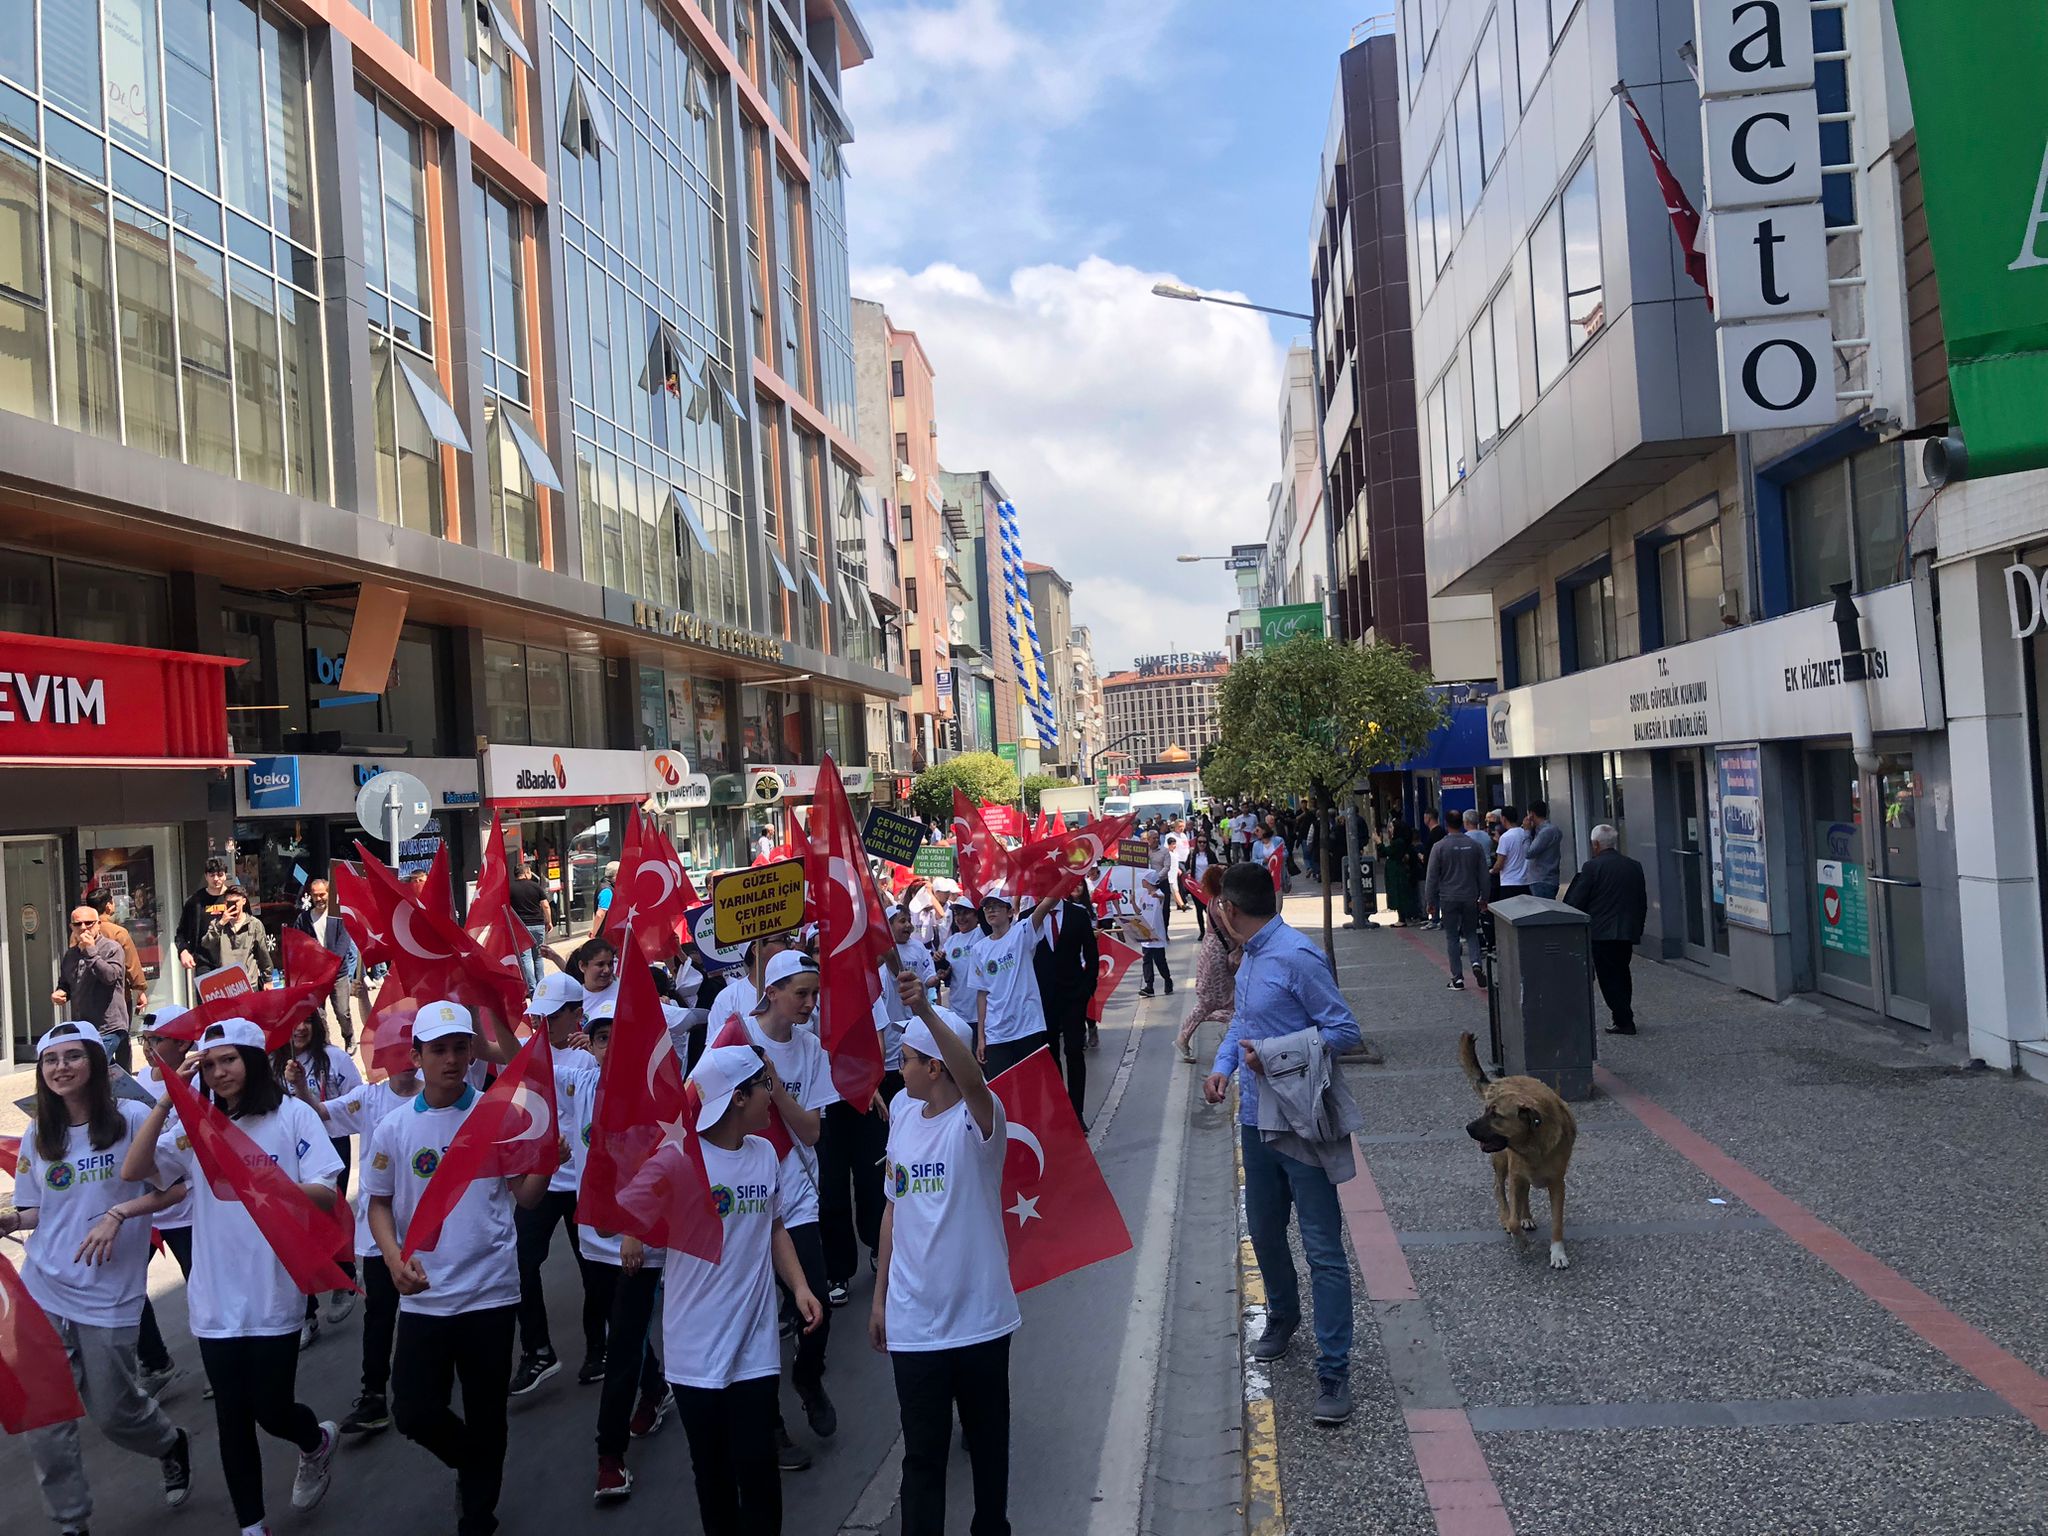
[[536, 1367], [309, 1330], [369, 1415], [339, 1305], [591, 1370], [614, 1482], [1169, 989], [1333, 1400], [835, 1294], [309, 1483], [1094, 1036], [178, 1471], [1144, 991], [1456, 984], [819, 1413], [155, 1379], [790, 1456], [650, 1411], [1479, 975], [1186, 1049], [1272, 1344]]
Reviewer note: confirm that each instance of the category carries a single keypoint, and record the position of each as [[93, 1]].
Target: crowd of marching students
[[719, 1184]]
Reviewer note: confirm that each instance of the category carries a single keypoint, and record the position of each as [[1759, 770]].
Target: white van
[[1161, 804]]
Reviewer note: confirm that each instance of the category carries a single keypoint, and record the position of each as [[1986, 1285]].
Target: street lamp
[[1195, 296]]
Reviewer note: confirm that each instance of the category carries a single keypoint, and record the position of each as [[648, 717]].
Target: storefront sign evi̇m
[[85, 702]]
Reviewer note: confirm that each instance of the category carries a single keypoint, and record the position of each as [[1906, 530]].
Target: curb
[[1264, 1509]]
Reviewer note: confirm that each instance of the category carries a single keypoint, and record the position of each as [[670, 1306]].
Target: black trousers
[[1156, 958], [1010, 1052], [1201, 918], [850, 1200], [807, 1370], [151, 1353], [732, 1456], [1610, 968], [1066, 1031], [380, 1325], [630, 1369], [255, 1386], [535, 1228], [930, 1385], [434, 1353]]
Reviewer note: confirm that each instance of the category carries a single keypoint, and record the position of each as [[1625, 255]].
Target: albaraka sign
[[77, 699]]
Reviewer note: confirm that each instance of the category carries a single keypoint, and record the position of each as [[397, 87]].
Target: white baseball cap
[[719, 1070], [69, 1032], [157, 1020], [230, 1032], [437, 1020], [998, 895], [600, 1012], [556, 991], [962, 904], [789, 963], [919, 1037]]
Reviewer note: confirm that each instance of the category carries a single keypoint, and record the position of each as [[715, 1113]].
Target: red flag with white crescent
[[365, 909], [491, 922], [1276, 863], [435, 960], [510, 1132], [278, 1011], [1113, 958], [650, 894], [1046, 871], [853, 941], [982, 860], [36, 1385], [1685, 219], [1057, 1208]]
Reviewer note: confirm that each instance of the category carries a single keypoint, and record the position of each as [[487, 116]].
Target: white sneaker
[[309, 1330], [339, 1305], [309, 1483]]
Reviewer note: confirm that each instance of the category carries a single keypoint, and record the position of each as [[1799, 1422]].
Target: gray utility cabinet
[[1543, 993]]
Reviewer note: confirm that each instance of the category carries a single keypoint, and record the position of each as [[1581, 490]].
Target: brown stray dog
[[1528, 1131]]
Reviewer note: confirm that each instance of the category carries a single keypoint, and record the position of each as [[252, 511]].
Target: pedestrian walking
[[1069, 963], [1455, 885], [1609, 889], [1151, 927], [138, 981], [1544, 852], [315, 1071], [202, 908], [321, 921], [238, 937], [944, 1309], [87, 1267], [92, 983], [1403, 868], [1433, 832], [1511, 857], [527, 895], [1285, 984], [457, 1304], [1010, 1015], [1200, 862], [1215, 976], [240, 1302]]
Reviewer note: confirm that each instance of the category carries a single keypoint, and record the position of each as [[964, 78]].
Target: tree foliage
[[982, 774], [1033, 783], [1310, 716]]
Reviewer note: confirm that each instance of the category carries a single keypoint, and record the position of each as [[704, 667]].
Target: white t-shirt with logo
[[1514, 851], [237, 1288], [68, 1196], [609, 995], [576, 1094], [171, 1217], [890, 1013], [949, 1260], [718, 1321], [358, 1113], [802, 1065], [475, 1263], [1003, 970], [568, 1178], [958, 948]]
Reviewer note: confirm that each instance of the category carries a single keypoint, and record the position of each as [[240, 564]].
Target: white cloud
[[1126, 428]]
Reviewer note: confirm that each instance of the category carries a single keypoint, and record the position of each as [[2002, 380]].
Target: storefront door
[[1706, 918], [1868, 915], [32, 890]]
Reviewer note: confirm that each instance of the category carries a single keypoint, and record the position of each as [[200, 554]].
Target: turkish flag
[[434, 959], [36, 1386], [982, 859], [778, 1134], [387, 1029], [853, 941], [365, 912], [498, 933], [1276, 861], [10, 1154], [278, 1011], [644, 1175], [437, 892], [510, 1132], [306, 1239], [1046, 871], [651, 893], [1057, 1209], [1113, 957]]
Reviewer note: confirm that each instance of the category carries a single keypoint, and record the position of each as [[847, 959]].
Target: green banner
[[1279, 625], [1007, 751], [934, 862], [1983, 140]]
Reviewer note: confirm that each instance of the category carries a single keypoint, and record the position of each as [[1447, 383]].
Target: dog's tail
[[1468, 1057]]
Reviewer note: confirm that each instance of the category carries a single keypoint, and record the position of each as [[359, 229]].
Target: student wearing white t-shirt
[[326, 1072], [955, 952], [736, 999], [358, 1113], [87, 1267], [720, 1348], [241, 1303], [1009, 1017], [1152, 941], [456, 1303], [944, 1309], [173, 1223]]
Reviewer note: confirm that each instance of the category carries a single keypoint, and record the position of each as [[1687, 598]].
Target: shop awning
[[124, 762]]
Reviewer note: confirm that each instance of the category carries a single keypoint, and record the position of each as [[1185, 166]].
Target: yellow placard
[[749, 904]]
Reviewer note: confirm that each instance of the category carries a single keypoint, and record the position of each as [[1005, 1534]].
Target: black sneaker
[[1144, 991], [819, 1413], [590, 1371], [177, 1467], [790, 1456], [1479, 976], [836, 1294], [534, 1369], [1094, 1036], [1456, 984], [370, 1415]]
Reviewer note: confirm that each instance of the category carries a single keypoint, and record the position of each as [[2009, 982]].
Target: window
[[113, 607], [1564, 272], [393, 18], [517, 463], [910, 593], [1847, 522], [586, 701], [902, 447], [1496, 370], [1689, 584], [896, 378], [917, 666], [1481, 125], [1420, 20], [794, 349], [1585, 615], [1521, 649], [1446, 436], [1538, 26], [494, 43], [908, 522], [1426, 265], [547, 697]]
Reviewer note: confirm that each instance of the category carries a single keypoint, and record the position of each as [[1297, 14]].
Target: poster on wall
[[682, 721], [708, 698], [1738, 780], [129, 876], [1844, 916]]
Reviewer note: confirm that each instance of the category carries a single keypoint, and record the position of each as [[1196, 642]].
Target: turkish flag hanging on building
[[1113, 958], [36, 1387], [510, 1132], [306, 1239], [1685, 219], [644, 1175], [983, 861], [853, 941], [1057, 1209]]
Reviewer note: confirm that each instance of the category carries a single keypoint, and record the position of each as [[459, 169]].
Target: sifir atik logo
[[918, 1179], [732, 1200]]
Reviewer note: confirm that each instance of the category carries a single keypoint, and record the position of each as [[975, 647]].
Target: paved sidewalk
[[1805, 1293]]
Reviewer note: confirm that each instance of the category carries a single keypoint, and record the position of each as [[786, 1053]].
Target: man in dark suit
[[1067, 961], [1609, 889]]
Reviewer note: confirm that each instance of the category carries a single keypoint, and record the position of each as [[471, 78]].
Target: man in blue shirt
[[1285, 984]]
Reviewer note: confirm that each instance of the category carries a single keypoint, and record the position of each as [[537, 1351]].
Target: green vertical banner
[[1279, 625], [1981, 117], [1007, 751]]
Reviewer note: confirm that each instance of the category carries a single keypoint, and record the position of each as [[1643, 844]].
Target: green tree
[[982, 774], [1033, 783]]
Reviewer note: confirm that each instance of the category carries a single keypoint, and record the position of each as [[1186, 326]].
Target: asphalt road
[[1096, 1447]]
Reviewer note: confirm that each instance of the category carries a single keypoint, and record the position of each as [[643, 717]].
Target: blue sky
[[1022, 172]]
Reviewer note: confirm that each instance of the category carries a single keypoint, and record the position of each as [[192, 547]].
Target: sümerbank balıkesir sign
[[1976, 74]]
